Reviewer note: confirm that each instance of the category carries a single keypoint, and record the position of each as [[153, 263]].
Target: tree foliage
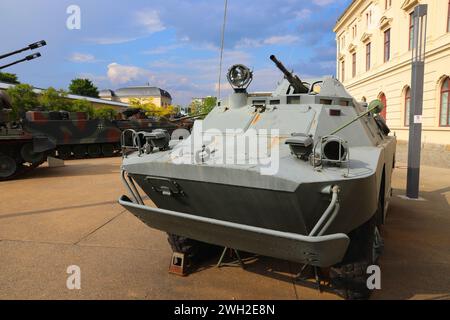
[[208, 104], [202, 106], [84, 106], [151, 109], [83, 87], [105, 113], [23, 99], [9, 78], [55, 100]]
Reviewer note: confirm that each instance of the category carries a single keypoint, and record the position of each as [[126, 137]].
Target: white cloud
[[150, 20], [163, 49], [111, 40], [121, 74], [275, 40], [287, 39], [98, 80], [323, 3], [82, 57], [303, 14]]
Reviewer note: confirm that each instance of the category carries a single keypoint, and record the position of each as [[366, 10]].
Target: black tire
[[8, 167], [29, 155], [349, 277], [195, 251]]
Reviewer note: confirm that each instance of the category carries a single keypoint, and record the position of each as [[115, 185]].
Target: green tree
[[9, 78], [105, 113], [55, 100], [202, 106], [23, 99], [83, 87], [151, 109], [195, 107], [208, 104]]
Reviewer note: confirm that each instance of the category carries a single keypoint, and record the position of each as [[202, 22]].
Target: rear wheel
[[7, 167]]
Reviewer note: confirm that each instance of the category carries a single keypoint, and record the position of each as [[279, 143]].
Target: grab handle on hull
[[332, 209]]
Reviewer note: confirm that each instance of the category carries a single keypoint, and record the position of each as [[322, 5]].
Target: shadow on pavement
[[44, 211]]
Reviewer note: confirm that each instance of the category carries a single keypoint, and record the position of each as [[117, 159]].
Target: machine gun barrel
[[32, 46], [295, 81]]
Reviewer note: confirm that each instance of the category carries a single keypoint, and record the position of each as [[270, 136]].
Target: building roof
[[143, 91], [345, 12], [6, 86], [106, 93]]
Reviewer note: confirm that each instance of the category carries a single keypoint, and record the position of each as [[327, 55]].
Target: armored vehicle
[[77, 136], [20, 150], [301, 174]]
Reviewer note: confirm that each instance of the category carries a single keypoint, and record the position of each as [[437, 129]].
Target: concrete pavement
[[57, 217]]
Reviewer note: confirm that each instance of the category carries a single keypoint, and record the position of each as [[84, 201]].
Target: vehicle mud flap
[[321, 251]]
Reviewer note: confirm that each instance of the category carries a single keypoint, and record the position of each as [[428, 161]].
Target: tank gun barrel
[[294, 80], [27, 58], [32, 46], [189, 117]]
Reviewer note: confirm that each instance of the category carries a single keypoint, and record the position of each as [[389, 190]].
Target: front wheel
[[8, 167], [350, 276]]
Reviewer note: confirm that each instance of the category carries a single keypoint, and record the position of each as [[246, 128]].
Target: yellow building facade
[[374, 40], [160, 97]]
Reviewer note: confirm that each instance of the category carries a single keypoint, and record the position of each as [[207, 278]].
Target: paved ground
[[59, 217]]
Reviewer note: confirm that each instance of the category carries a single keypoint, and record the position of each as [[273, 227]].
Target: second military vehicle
[[20, 150], [302, 174], [77, 136]]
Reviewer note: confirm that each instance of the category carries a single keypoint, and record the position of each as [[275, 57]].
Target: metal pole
[[221, 49], [415, 117]]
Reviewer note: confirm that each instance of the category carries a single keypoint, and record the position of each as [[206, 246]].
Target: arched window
[[382, 97], [407, 105], [445, 103]]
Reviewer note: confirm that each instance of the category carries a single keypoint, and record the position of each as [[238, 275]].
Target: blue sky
[[172, 44]]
